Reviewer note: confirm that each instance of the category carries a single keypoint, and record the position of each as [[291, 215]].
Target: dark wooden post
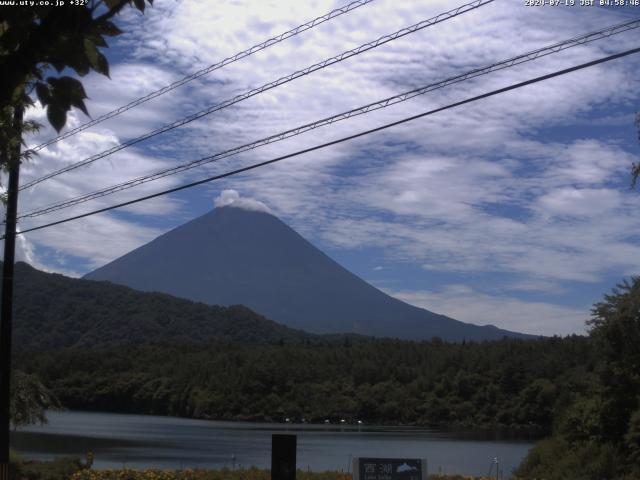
[[283, 457], [6, 307]]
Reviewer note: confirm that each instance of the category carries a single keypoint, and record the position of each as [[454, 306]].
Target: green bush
[[59, 469]]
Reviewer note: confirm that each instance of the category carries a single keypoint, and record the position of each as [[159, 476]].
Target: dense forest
[[511, 382]]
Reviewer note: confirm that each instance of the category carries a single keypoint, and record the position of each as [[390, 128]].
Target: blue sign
[[389, 468]]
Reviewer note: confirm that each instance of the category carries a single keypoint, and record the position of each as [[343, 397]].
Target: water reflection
[[142, 441]]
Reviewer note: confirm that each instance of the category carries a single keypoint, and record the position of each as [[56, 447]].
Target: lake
[[144, 441]]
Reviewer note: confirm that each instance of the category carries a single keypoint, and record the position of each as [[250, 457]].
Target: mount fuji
[[234, 255]]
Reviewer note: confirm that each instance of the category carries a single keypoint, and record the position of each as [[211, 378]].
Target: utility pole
[[6, 307], [494, 461]]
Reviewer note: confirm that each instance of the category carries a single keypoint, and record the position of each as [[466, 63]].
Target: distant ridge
[[234, 256], [53, 311]]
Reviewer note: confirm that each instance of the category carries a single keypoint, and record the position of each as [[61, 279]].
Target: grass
[[67, 468]]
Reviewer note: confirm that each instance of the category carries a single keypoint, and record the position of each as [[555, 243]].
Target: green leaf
[[69, 85], [139, 4], [91, 52], [98, 61], [58, 65], [76, 102], [53, 81], [57, 116], [26, 99], [108, 28], [80, 63], [103, 65], [65, 93], [97, 40], [43, 92]]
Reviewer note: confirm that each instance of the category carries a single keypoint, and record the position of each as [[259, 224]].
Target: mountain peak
[[238, 255]]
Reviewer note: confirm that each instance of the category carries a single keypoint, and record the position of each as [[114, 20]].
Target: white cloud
[[82, 239], [24, 250], [580, 202], [468, 305], [231, 198], [588, 162]]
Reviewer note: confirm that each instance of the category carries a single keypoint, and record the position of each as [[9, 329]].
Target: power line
[[341, 140], [526, 57], [268, 86], [238, 56], [580, 40]]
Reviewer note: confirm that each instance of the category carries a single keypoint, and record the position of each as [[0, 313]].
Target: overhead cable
[[234, 58], [526, 57], [341, 140], [268, 86]]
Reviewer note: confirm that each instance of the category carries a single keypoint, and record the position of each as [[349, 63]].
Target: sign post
[[389, 468]]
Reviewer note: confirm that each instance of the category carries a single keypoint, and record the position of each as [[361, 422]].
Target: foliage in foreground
[[29, 399], [46, 38], [73, 469], [70, 468], [199, 474], [62, 468], [597, 436]]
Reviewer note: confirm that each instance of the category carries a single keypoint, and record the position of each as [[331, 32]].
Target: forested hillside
[[53, 311], [511, 382]]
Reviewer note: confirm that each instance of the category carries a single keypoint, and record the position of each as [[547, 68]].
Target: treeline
[[509, 382], [596, 434]]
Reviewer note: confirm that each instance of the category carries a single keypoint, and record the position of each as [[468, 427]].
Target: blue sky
[[514, 211]]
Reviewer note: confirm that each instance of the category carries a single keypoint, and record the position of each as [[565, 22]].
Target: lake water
[[144, 441]]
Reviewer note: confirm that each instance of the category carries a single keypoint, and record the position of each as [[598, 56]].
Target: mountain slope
[[53, 311], [236, 256]]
